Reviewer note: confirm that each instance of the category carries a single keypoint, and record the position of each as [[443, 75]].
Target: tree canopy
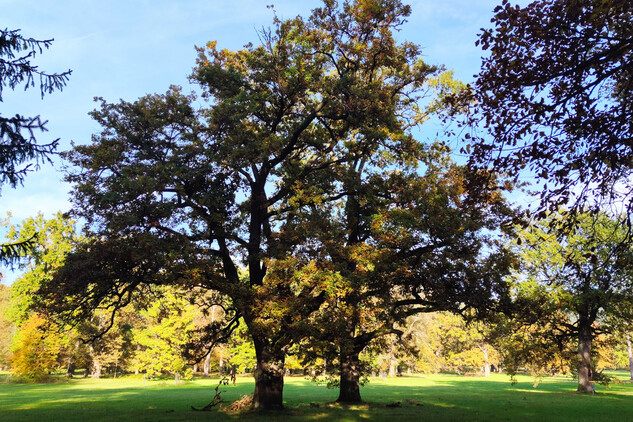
[[405, 241], [200, 197], [568, 288], [556, 97], [297, 191]]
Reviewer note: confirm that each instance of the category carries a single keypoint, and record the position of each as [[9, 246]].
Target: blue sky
[[125, 49]]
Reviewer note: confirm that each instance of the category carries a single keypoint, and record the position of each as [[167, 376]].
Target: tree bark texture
[[349, 391], [269, 378], [584, 355]]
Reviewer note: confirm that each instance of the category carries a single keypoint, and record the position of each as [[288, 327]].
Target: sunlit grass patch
[[408, 398]]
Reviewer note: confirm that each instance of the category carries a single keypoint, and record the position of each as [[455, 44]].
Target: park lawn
[[433, 397]]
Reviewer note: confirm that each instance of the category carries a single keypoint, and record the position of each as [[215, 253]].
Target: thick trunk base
[[269, 373], [349, 393], [269, 386], [350, 379]]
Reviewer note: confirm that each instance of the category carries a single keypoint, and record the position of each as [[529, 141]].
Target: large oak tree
[[176, 194], [403, 241]]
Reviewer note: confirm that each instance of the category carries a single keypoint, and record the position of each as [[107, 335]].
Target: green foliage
[[540, 349], [7, 328], [587, 270], [568, 291], [17, 133], [105, 350], [240, 350], [162, 332], [53, 240]]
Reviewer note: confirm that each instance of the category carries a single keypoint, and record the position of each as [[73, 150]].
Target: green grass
[[435, 398]]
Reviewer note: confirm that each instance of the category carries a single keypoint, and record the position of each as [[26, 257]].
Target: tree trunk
[[393, 367], [584, 355], [96, 369], [207, 365], [269, 378], [350, 378], [630, 350], [70, 372], [484, 350], [96, 364]]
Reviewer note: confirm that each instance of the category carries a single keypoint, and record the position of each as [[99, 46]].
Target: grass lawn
[[434, 397]]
